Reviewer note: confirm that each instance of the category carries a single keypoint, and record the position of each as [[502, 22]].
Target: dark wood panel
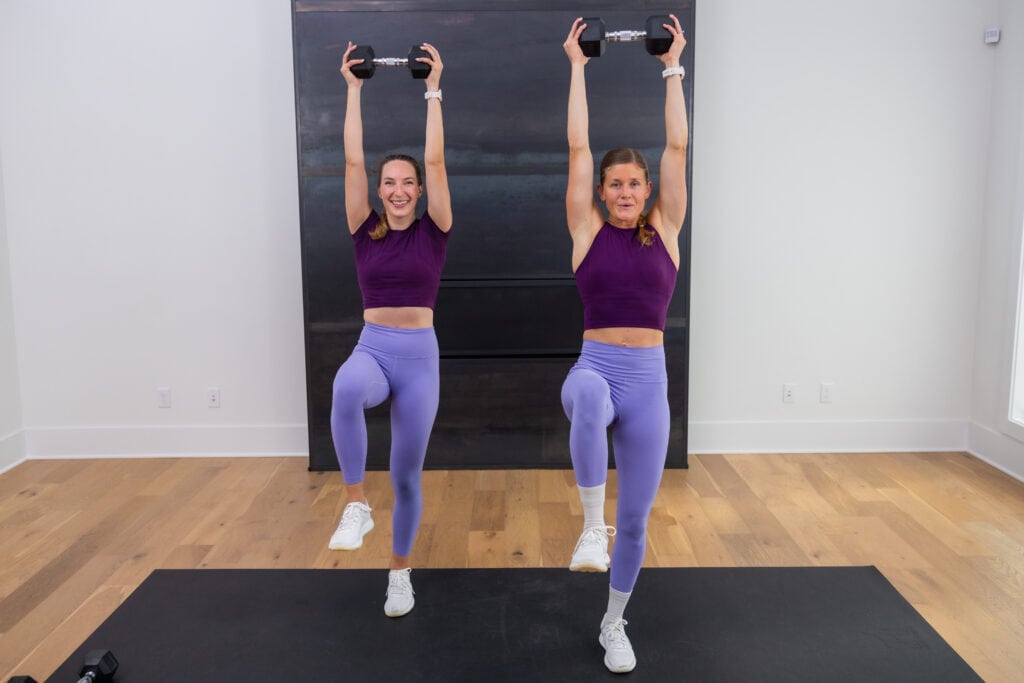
[[508, 318]]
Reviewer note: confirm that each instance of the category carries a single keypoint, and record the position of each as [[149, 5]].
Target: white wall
[[12, 436], [152, 216], [840, 154], [842, 211], [992, 436]]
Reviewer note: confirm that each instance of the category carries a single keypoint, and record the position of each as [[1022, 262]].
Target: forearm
[[433, 153], [677, 129], [578, 123], [353, 132]]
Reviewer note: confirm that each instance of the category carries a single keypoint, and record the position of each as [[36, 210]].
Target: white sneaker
[[591, 552], [618, 653], [355, 523], [400, 600]]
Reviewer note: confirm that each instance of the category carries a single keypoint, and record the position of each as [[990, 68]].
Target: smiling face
[[624, 189], [399, 188]]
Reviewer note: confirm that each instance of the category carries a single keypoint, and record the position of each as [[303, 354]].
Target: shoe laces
[[399, 582], [351, 517], [615, 635], [595, 534]]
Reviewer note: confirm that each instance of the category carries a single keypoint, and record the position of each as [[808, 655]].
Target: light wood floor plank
[[80, 535]]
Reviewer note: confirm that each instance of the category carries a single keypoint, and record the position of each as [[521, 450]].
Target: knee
[[406, 486], [346, 395], [585, 398], [631, 529]]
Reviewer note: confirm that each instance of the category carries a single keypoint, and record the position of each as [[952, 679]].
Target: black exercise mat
[[691, 624]]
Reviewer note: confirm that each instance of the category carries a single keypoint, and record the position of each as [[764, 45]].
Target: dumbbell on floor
[[371, 62], [98, 666], [656, 37]]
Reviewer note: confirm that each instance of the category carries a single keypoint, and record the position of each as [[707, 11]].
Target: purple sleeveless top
[[625, 284], [404, 268]]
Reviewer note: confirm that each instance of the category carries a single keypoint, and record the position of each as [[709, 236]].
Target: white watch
[[674, 71], [432, 95]]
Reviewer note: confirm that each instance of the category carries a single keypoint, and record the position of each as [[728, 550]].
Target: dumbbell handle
[[391, 61], [625, 36]]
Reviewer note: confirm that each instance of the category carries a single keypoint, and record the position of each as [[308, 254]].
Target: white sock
[[592, 498], [616, 605]]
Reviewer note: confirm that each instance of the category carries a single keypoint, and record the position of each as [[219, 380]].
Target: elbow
[[676, 147], [578, 147]]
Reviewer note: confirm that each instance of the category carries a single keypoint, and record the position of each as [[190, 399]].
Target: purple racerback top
[[625, 284], [404, 268]]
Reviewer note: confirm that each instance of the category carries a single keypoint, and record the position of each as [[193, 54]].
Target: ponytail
[[644, 234]]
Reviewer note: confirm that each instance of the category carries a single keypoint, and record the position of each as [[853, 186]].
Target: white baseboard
[[1000, 451], [851, 436], [167, 441], [12, 450]]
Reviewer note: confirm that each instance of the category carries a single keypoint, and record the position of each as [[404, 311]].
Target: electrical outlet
[[827, 392], [163, 397], [213, 397], [789, 393]]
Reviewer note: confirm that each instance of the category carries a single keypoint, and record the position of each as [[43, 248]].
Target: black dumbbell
[[656, 37], [99, 667], [371, 62]]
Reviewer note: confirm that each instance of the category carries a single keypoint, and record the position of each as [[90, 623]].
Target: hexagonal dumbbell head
[[592, 40], [99, 665], [418, 69], [366, 69], [658, 39]]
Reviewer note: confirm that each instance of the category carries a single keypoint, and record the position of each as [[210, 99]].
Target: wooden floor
[[78, 536]]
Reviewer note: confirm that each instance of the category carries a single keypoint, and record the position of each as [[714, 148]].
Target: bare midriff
[[635, 337], [402, 317]]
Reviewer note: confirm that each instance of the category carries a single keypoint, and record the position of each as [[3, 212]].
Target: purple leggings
[[402, 364], [626, 388]]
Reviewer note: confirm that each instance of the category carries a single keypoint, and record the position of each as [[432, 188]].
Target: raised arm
[[357, 190], [581, 211], [669, 208], [439, 199]]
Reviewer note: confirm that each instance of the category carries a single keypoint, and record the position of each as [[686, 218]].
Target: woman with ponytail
[[626, 266], [398, 264]]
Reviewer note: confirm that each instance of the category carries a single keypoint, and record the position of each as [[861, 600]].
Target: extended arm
[[672, 196], [439, 199], [581, 211], [357, 199]]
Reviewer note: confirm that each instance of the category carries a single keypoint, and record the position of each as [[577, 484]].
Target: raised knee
[[346, 394], [587, 399]]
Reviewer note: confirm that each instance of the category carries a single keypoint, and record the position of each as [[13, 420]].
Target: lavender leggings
[[402, 364], [628, 389]]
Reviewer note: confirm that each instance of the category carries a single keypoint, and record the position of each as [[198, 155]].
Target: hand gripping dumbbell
[[656, 37], [371, 62]]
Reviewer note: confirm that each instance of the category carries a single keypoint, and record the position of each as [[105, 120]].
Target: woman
[[398, 263], [626, 267]]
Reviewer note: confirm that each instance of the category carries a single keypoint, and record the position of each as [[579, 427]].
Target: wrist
[[673, 71]]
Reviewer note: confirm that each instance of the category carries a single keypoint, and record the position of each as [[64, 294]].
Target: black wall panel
[[509, 320]]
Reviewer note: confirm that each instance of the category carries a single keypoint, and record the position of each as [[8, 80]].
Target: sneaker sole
[[590, 566], [338, 546]]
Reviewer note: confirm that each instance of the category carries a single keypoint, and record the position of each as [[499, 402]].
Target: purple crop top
[[404, 268], [625, 284]]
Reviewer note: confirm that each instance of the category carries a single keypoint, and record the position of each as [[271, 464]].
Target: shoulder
[[363, 231], [427, 224]]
